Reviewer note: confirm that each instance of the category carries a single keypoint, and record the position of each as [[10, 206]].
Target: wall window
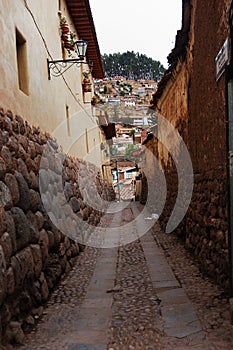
[[21, 50], [129, 175]]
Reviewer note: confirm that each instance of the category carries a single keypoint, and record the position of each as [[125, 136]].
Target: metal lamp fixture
[[81, 48], [58, 67]]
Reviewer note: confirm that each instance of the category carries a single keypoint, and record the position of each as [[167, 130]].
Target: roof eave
[[81, 15]]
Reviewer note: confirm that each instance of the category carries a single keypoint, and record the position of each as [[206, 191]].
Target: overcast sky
[[148, 27]]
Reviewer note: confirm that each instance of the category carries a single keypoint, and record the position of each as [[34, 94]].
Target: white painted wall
[[47, 101]]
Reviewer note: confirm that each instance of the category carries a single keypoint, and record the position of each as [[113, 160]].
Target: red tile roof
[[80, 12]]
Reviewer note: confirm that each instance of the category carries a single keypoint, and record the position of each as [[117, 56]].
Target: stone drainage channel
[[121, 298]]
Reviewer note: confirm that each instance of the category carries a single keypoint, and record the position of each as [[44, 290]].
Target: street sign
[[222, 59]]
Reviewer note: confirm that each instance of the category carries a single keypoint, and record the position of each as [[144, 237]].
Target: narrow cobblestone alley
[[116, 175], [147, 295]]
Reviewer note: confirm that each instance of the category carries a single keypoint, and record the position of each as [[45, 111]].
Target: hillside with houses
[[126, 104], [126, 101]]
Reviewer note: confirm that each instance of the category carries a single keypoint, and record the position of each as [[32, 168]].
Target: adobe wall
[[207, 218], [34, 254], [173, 106], [207, 106], [195, 104]]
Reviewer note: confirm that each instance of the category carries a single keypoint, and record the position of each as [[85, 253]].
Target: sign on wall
[[222, 59]]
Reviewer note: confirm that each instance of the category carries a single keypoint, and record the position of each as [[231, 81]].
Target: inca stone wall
[[34, 254], [207, 224]]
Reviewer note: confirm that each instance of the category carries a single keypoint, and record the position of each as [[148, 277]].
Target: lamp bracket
[[58, 67]]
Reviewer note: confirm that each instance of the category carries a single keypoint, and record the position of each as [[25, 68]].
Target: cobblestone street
[[146, 295], [116, 175]]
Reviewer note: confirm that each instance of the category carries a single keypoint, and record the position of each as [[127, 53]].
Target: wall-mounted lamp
[[58, 67]]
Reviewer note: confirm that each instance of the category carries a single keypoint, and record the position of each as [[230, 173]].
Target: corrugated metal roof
[[80, 12]]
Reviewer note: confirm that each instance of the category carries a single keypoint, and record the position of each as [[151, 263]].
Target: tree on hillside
[[133, 66], [129, 149]]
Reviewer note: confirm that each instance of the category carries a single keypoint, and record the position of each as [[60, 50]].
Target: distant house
[[140, 107], [116, 101], [140, 91], [127, 172], [123, 130], [123, 181], [128, 102], [121, 142], [139, 120]]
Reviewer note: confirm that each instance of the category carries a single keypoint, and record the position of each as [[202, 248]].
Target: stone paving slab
[[87, 347], [95, 294], [192, 347], [94, 318], [93, 302], [102, 283], [105, 269], [160, 272], [95, 323], [95, 312], [165, 284], [180, 320], [179, 316], [97, 337], [173, 296]]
